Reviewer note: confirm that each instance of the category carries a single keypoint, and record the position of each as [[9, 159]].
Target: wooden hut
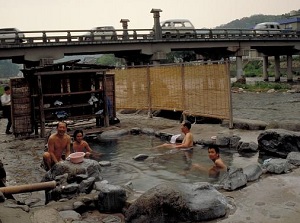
[[62, 91]]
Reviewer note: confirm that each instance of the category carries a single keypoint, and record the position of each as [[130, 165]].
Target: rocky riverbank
[[272, 199]]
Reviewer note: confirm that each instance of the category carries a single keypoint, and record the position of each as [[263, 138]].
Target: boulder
[[278, 142], [252, 172], [113, 134], [111, 198], [294, 158], [277, 166], [246, 147], [178, 203], [233, 179]]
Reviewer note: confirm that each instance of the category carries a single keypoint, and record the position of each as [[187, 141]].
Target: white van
[[267, 28], [175, 27]]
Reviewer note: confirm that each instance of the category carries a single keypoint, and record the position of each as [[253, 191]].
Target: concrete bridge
[[143, 46]]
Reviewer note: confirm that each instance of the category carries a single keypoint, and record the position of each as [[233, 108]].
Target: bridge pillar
[[277, 68], [289, 65], [125, 27], [239, 67], [265, 68], [157, 27]]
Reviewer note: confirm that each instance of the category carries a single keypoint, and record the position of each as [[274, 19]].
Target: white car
[[100, 33], [177, 28], [11, 35], [267, 28]]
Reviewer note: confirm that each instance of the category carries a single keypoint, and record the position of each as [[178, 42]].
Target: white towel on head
[[174, 137]]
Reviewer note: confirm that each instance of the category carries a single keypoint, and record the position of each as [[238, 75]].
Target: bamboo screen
[[199, 90]]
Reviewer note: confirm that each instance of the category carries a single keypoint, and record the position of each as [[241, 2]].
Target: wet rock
[[233, 179], [62, 179], [89, 167], [46, 215], [69, 216], [86, 186], [278, 142], [294, 158], [230, 141], [276, 166], [140, 157], [148, 131], [111, 198], [245, 147], [135, 131], [23, 207], [105, 163], [247, 124], [178, 203], [2, 197], [252, 172], [111, 134], [79, 207]]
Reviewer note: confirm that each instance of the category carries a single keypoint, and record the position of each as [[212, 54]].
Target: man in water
[[217, 168], [59, 144], [186, 145]]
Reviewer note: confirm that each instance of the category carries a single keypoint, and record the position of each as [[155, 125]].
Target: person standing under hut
[[6, 104]]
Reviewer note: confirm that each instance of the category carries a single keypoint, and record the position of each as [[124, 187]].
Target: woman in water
[[80, 145]]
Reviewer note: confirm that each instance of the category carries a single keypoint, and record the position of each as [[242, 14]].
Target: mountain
[[250, 22]]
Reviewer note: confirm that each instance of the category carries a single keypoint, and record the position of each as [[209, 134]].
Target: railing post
[[69, 37], [44, 37], [157, 27]]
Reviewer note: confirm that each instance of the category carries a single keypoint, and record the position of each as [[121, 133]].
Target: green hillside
[[250, 22]]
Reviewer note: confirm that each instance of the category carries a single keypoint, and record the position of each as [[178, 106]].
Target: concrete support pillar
[[157, 27], [265, 68], [289, 64], [239, 68], [277, 68]]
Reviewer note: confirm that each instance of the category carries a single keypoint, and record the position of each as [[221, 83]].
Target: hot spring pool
[[160, 166]]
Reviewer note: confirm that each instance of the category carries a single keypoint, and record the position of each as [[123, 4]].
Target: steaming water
[[161, 165]]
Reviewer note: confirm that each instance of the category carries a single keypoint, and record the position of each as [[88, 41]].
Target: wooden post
[[42, 114], [28, 187], [149, 93]]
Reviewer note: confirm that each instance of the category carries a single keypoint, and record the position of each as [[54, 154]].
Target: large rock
[[253, 171], [294, 158], [278, 142], [233, 179], [278, 166], [89, 167], [178, 203]]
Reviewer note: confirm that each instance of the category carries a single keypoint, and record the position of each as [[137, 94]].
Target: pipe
[[28, 187]]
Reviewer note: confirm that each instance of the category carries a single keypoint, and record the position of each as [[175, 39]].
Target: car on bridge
[[100, 33], [177, 28], [267, 28], [11, 35]]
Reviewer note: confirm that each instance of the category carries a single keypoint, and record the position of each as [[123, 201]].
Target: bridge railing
[[81, 36]]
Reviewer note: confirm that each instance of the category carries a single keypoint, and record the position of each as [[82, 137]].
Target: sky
[[37, 15]]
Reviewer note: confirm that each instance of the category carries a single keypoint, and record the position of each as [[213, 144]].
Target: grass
[[261, 86]]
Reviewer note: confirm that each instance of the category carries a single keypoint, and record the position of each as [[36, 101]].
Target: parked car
[[267, 28], [11, 35], [177, 28], [100, 33]]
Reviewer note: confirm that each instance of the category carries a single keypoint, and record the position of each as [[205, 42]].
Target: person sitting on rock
[[59, 145]]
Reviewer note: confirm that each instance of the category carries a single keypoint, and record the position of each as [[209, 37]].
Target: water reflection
[[161, 165]]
